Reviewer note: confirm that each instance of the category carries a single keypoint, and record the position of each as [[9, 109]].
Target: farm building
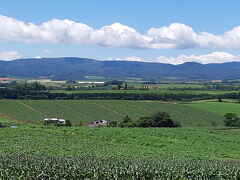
[[98, 123], [54, 121]]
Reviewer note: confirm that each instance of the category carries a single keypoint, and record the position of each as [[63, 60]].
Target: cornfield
[[43, 167]]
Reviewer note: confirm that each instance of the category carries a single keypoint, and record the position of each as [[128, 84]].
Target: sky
[[164, 31]]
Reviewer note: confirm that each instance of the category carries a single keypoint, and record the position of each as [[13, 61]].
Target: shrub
[[1, 125], [112, 123], [126, 122], [158, 119], [231, 119], [68, 123]]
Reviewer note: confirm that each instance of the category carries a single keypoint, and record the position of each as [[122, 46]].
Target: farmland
[[218, 108], [159, 143], [202, 149], [111, 168], [89, 110], [119, 153]]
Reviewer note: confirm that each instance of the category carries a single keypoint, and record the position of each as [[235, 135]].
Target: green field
[[202, 149], [160, 143], [119, 153], [5, 120], [218, 108], [90, 110]]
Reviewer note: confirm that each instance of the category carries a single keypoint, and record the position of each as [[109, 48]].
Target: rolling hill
[[78, 68], [90, 110]]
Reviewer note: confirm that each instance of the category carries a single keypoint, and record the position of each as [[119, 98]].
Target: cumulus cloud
[[130, 58], [215, 57], [176, 35], [10, 55], [37, 57]]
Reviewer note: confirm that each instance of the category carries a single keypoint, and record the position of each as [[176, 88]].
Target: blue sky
[[215, 17]]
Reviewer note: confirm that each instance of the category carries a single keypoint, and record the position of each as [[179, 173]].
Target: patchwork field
[[89, 110]]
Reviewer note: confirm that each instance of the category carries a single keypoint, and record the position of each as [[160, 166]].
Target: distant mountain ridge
[[77, 68]]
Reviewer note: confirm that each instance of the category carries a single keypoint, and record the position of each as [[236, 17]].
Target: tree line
[[36, 91], [158, 119]]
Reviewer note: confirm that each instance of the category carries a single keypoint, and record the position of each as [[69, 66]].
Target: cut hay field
[[89, 110]]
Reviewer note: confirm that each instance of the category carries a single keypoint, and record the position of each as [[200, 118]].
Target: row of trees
[[158, 119], [37, 91], [6, 93]]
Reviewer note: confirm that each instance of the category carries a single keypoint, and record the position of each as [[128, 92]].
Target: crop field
[[90, 110], [202, 149], [218, 108], [38, 152], [3, 120], [159, 143], [31, 167]]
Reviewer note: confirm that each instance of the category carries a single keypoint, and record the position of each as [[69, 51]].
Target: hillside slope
[[77, 68], [90, 110]]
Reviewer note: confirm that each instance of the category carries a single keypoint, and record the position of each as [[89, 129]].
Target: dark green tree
[[231, 119], [126, 122], [68, 123]]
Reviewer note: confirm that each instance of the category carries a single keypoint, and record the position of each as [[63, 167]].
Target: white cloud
[[215, 57], [130, 58], [37, 57], [10, 55], [57, 31]]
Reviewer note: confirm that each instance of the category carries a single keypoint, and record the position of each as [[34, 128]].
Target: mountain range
[[71, 68]]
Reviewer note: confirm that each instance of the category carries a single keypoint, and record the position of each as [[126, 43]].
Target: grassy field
[[5, 120], [89, 110], [216, 107], [158, 143]]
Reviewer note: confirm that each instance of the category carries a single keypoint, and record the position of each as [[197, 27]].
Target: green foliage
[[68, 123], [126, 122], [231, 119], [44, 167], [156, 143], [158, 119], [161, 119], [35, 86], [114, 82], [1, 125]]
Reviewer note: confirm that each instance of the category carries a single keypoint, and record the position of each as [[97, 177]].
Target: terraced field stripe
[[206, 109], [109, 109], [32, 109], [142, 109], [8, 117], [74, 110], [173, 109]]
